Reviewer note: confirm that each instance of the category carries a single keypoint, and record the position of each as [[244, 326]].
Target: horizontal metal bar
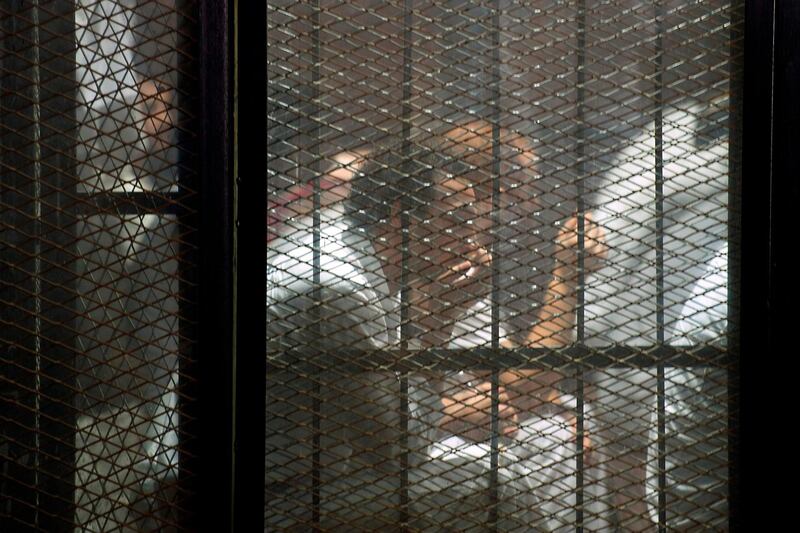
[[132, 203], [353, 361]]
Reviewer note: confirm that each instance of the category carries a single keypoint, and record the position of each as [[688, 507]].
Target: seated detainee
[[361, 276]]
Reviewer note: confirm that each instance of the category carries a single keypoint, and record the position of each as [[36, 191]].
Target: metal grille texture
[[95, 183], [498, 286]]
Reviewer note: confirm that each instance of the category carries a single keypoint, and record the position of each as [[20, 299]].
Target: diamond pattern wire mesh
[[95, 181], [498, 265]]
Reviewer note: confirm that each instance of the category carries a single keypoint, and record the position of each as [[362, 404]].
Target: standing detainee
[[442, 197]]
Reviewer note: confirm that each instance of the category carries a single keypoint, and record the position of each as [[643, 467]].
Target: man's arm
[[530, 388], [466, 411], [556, 319]]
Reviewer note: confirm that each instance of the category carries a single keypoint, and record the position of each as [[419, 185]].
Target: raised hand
[[594, 247], [556, 318]]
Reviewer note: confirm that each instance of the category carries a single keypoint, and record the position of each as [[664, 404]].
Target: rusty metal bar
[[581, 292], [494, 107], [644, 357], [405, 294], [659, 210]]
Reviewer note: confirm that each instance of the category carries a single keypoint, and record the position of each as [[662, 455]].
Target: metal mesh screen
[[96, 179], [498, 280]]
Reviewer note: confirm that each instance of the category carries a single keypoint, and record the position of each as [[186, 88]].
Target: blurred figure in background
[[127, 458], [696, 421], [621, 309]]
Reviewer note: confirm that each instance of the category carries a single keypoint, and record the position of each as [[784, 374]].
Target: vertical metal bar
[[187, 224], [784, 194], [250, 259], [495, 452], [404, 414], [18, 410], [495, 444], [769, 205], [53, 98], [659, 201], [37, 255], [404, 274], [209, 422], [736, 62], [404, 334], [581, 209], [317, 294]]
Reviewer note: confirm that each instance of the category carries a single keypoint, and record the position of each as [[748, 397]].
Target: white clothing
[[448, 476]]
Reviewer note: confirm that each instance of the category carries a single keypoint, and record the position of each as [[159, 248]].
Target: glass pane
[[127, 439], [93, 338], [490, 225]]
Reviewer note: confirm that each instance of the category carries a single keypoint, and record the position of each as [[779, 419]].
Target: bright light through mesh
[[498, 265]]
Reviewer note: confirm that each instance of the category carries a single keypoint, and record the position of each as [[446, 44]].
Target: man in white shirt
[[360, 281]]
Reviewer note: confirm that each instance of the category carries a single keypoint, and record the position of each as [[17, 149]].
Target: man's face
[[448, 256], [449, 240]]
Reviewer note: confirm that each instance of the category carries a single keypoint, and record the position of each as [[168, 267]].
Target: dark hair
[[388, 179]]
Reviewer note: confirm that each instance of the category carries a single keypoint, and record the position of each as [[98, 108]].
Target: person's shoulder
[[292, 255], [296, 240]]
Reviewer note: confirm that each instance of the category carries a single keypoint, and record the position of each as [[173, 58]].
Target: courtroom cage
[[396, 266]]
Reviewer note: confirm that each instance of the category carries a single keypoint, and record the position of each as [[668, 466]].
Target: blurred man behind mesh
[[127, 456], [445, 195]]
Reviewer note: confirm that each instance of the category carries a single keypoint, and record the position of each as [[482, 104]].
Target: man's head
[[438, 203]]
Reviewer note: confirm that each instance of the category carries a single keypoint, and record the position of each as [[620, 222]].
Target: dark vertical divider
[[735, 257], [17, 410], [209, 403], [190, 140], [250, 262], [37, 279], [755, 250], [769, 199], [57, 95]]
